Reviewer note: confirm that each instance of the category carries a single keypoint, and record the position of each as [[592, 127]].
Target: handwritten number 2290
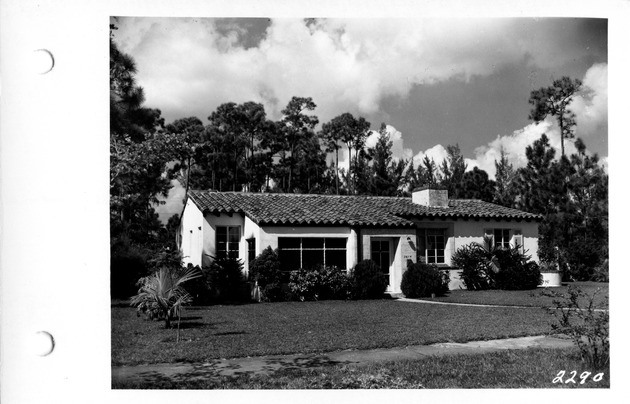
[[583, 377]]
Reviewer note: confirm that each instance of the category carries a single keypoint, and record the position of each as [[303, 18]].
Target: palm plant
[[161, 295]]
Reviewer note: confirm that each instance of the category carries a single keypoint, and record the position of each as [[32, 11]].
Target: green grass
[[311, 327], [531, 368], [530, 298]]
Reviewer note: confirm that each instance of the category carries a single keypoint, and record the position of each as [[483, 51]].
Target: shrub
[[473, 260], [322, 283], [127, 265], [199, 288], [422, 280], [516, 271], [265, 270], [601, 272], [367, 281], [587, 326], [496, 268], [273, 292], [335, 284], [304, 285], [583, 256], [161, 295], [225, 277]]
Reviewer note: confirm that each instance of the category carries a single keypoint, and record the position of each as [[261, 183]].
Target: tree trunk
[[337, 169], [561, 132], [235, 172], [290, 170], [179, 320], [214, 169], [349, 169]]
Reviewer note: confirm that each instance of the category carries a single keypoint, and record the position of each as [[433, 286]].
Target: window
[[435, 244], [311, 252], [228, 238], [502, 238]]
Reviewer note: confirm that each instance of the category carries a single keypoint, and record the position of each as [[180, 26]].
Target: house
[[310, 230]]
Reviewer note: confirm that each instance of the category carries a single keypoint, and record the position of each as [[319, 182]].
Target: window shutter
[[448, 239], [488, 238], [518, 241], [422, 246]]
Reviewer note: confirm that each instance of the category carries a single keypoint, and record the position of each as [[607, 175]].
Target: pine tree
[[555, 101], [504, 190]]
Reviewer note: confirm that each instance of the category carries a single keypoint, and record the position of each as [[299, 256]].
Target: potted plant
[[551, 275]]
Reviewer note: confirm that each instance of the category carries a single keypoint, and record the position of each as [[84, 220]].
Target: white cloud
[[591, 108], [437, 153], [591, 111], [345, 65], [351, 65]]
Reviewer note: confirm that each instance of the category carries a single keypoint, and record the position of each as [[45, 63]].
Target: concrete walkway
[[404, 299], [269, 364]]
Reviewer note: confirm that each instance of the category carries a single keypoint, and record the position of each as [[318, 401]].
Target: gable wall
[[470, 231], [210, 223], [191, 234]]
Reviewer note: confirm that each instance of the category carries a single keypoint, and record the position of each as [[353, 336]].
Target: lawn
[[530, 368], [311, 327], [530, 298]]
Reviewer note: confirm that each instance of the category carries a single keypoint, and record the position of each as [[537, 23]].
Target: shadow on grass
[[230, 333]]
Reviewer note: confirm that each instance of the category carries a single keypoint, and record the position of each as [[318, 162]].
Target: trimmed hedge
[[422, 280]]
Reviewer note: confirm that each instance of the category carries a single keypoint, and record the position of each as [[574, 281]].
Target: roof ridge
[[297, 194], [362, 209]]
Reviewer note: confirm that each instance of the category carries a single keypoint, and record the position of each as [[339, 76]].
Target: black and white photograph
[[326, 203], [290, 201]]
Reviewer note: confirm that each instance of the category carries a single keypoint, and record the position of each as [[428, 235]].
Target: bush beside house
[[423, 280], [265, 273], [367, 281], [496, 268], [323, 283], [225, 278]]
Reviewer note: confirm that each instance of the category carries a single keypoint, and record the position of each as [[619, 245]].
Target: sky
[[434, 82]]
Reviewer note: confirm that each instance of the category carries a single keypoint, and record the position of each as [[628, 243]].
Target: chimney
[[427, 196]]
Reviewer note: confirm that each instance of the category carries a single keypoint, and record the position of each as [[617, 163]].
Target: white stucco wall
[[470, 231], [461, 233], [191, 234], [210, 224]]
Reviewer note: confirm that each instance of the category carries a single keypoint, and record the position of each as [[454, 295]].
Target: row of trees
[[240, 149]]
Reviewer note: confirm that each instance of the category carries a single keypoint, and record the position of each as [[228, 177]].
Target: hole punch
[[43, 343], [44, 61]]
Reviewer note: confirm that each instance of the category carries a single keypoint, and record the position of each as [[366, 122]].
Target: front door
[[381, 254]]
